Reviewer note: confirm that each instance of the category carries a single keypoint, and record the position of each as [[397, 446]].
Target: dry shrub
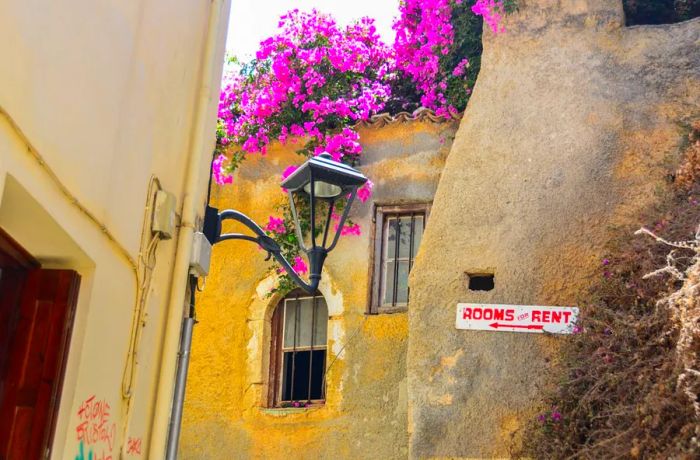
[[688, 175], [625, 385]]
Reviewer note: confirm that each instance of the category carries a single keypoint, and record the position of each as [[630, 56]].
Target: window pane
[[404, 236], [287, 376], [296, 376], [321, 323], [391, 237], [318, 367], [289, 320], [402, 287], [417, 234], [305, 323], [388, 283]]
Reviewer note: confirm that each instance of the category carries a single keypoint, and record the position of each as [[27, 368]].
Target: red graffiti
[[94, 426], [102, 456], [133, 446]]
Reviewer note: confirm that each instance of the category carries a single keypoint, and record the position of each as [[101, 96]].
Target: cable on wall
[[145, 265], [64, 190]]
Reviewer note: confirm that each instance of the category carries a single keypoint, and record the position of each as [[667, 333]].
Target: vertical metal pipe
[[312, 204], [396, 261], [328, 223], [294, 346], [180, 382], [311, 352], [410, 244]]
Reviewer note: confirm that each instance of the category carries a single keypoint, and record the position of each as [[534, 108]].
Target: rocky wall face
[[573, 125], [365, 413]]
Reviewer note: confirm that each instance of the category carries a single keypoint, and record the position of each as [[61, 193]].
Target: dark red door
[[35, 361]]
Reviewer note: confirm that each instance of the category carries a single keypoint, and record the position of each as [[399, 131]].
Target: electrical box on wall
[[201, 255], [164, 214]]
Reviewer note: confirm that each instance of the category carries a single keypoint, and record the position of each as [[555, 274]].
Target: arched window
[[298, 350]]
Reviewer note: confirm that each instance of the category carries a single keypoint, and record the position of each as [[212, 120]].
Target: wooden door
[[35, 363]]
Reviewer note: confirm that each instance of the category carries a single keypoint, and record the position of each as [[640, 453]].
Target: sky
[[252, 21]]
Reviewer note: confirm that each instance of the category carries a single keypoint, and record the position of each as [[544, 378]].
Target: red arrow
[[517, 326]]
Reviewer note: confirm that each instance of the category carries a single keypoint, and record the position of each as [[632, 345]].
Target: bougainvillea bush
[[314, 80]]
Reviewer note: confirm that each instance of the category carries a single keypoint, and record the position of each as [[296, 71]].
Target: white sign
[[516, 318]]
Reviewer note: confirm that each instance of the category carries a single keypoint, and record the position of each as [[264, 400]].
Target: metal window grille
[[301, 355]]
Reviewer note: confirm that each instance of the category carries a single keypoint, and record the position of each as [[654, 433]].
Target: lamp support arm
[[264, 242]]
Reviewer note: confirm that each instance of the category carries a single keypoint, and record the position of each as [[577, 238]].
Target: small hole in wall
[[480, 281]]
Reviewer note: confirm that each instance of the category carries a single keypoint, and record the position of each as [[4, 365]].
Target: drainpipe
[[200, 153], [181, 378]]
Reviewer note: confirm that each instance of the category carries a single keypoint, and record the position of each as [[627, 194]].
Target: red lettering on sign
[[536, 315], [566, 316], [488, 314]]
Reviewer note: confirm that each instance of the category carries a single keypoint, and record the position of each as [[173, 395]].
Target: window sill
[[284, 411], [389, 310]]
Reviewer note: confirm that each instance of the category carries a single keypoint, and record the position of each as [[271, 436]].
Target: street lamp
[[320, 180]]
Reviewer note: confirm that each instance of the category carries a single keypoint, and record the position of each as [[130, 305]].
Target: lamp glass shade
[[324, 190]]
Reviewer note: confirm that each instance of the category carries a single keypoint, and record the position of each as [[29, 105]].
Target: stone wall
[[574, 124], [365, 413]]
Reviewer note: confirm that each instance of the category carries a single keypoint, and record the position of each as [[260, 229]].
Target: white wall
[[107, 94]]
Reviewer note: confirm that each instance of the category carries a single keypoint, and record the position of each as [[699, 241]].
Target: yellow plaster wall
[[96, 97], [365, 413]]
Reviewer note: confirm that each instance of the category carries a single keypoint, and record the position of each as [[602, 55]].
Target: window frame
[[380, 216], [277, 350]]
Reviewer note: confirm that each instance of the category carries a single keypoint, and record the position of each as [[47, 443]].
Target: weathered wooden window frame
[[277, 350], [382, 212]]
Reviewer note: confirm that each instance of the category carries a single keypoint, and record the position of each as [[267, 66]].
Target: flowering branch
[[313, 81]]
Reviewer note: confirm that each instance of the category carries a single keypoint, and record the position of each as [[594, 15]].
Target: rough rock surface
[[573, 124]]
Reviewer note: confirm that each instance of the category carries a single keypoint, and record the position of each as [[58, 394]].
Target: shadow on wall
[[639, 12]]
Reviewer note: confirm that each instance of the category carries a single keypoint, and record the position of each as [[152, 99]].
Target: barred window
[[398, 233], [298, 361]]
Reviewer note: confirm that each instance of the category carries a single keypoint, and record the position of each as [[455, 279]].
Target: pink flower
[[492, 11], [353, 229], [299, 265], [364, 192], [461, 68], [220, 175], [288, 172], [276, 225]]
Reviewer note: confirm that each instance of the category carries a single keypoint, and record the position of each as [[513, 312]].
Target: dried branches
[[685, 308]]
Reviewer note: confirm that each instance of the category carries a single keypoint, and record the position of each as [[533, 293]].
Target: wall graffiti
[[95, 430], [133, 446]]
